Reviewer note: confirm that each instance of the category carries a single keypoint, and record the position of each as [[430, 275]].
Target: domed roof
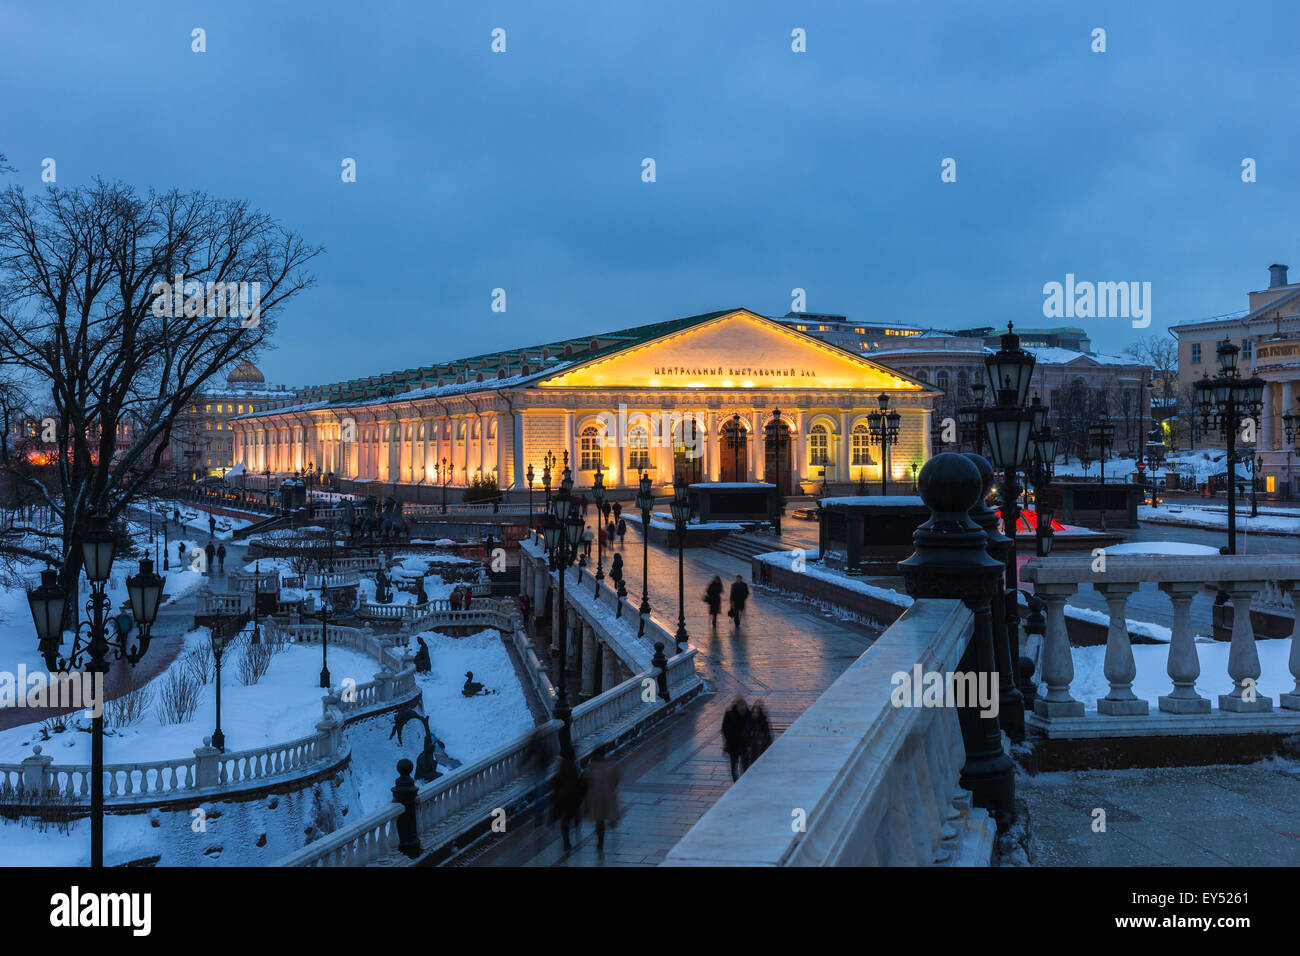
[[245, 373]]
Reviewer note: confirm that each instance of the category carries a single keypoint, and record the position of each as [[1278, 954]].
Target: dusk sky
[[775, 170]]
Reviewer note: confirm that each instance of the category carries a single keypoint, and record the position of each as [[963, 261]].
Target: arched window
[[963, 385], [941, 379], [861, 447], [923, 376], [638, 448], [819, 445], [592, 455]]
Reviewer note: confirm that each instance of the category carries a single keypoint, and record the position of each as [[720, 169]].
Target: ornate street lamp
[[218, 638], [444, 476], [681, 510], [1101, 435], [598, 495], [645, 500], [1291, 422], [92, 641], [970, 419], [1008, 424], [882, 430], [562, 533], [1226, 402], [532, 520], [1043, 442]]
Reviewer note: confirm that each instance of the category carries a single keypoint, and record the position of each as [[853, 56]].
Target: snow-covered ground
[[1203, 464], [1153, 678], [1216, 520], [282, 706]]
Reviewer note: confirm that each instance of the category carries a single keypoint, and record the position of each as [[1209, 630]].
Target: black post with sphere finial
[[1011, 703], [952, 561]]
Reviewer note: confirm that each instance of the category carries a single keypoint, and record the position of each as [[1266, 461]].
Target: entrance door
[[734, 449], [688, 451], [776, 456]]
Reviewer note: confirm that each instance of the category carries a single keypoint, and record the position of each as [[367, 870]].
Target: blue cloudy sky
[[775, 169]]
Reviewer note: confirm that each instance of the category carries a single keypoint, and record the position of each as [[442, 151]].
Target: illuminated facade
[[202, 440], [694, 396]]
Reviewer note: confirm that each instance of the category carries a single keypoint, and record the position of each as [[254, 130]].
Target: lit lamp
[[598, 494], [681, 511]]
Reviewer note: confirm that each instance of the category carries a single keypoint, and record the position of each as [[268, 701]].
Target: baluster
[[1119, 666], [1184, 664], [1057, 664], [1291, 701], [1243, 657]]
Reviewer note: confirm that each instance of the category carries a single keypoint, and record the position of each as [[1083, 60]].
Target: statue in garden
[[383, 588], [422, 663], [434, 750], [421, 595]]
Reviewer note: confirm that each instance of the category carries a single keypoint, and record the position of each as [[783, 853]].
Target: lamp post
[[1253, 464], [882, 427], [444, 476], [217, 638], [1101, 435], [733, 435], [324, 634], [563, 534], [681, 509], [1008, 423], [1155, 453], [1291, 422], [92, 642], [645, 501], [548, 468], [256, 637], [532, 521], [1225, 402], [598, 495], [781, 470], [1043, 442], [970, 419]]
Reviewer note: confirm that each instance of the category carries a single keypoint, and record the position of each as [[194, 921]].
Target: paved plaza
[[786, 654]]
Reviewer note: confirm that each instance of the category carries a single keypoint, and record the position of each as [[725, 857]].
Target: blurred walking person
[[735, 737], [567, 793], [713, 598], [760, 731], [739, 595], [602, 795]]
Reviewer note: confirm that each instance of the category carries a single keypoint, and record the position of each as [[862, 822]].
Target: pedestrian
[[455, 599], [713, 598], [523, 609], [602, 794], [221, 557], [180, 551], [603, 538], [582, 503], [739, 595], [760, 731], [587, 538], [176, 515], [618, 511], [616, 569], [533, 767], [567, 792], [622, 530], [211, 553], [469, 596], [735, 737], [609, 533], [605, 508], [212, 526]]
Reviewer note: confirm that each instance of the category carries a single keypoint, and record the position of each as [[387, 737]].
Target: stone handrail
[[359, 844], [1182, 711], [874, 784]]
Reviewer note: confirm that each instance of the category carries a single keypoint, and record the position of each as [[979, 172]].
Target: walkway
[[787, 655]]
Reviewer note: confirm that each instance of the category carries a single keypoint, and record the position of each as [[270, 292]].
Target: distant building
[[1078, 387], [202, 440], [1065, 337], [854, 336], [1268, 334]]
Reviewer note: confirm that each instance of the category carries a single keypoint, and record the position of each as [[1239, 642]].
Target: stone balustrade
[[856, 780], [1242, 709]]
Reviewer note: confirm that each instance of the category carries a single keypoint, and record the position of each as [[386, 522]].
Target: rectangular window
[[1247, 348], [1196, 353]]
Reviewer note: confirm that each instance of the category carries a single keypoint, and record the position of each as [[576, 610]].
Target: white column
[[842, 450], [517, 438], [1057, 667], [712, 460], [1291, 700], [1266, 422], [588, 662], [1243, 658], [797, 457], [1119, 666], [1184, 666]]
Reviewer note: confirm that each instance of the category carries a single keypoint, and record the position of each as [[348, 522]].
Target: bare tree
[[90, 322], [1160, 354]]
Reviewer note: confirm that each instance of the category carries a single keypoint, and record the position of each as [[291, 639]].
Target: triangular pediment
[[739, 349]]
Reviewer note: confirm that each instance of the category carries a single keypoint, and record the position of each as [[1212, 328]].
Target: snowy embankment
[[1153, 680], [1216, 520]]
